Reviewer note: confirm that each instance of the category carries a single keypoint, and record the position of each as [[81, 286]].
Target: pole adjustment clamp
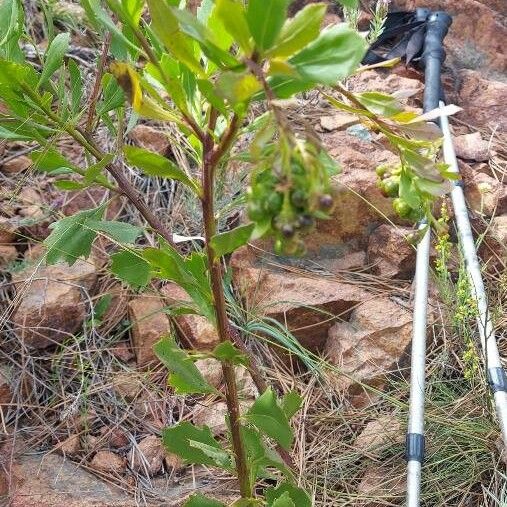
[[497, 379], [414, 447]]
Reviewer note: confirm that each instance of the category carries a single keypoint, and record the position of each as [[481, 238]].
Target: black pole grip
[[437, 27]]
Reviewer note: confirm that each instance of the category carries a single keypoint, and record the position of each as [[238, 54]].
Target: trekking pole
[[496, 374], [433, 55]]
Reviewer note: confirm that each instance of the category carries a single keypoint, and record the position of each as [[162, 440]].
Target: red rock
[[484, 194], [149, 325], [151, 138], [8, 254], [195, 330], [305, 303], [7, 230], [148, 456], [389, 253], [115, 437], [371, 344], [211, 370], [337, 121], [212, 415], [51, 302], [386, 482], [108, 462], [373, 81], [71, 446], [6, 372], [127, 384], [173, 462], [16, 165], [471, 147], [380, 433], [482, 101]]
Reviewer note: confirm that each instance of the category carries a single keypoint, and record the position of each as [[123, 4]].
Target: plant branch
[[125, 187], [96, 85], [223, 326]]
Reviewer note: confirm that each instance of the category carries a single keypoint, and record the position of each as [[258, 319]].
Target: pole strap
[[414, 447], [497, 379]]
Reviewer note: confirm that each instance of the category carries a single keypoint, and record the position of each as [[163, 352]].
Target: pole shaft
[[433, 55], [485, 325]]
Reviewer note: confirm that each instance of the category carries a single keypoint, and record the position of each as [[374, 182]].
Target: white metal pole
[[496, 374], [415, 430]]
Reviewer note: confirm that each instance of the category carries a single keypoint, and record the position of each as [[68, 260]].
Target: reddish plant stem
[[222, 322]]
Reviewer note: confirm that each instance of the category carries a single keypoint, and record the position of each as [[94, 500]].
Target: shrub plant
[[205, 74]]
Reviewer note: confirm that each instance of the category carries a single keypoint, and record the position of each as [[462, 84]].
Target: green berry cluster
[[389, 184], [289, 190]]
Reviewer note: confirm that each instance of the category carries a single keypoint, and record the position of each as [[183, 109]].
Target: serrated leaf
[[333, 56], [184, 375], [265, 19], [131, 268], [227, 242], [53, 58], [284, 500], [299, 31], [269, 418], [421, 165], [177, 440], [71, 237], [233, 16], [202, 501], [226, 351], [49, 160], [218, 455], [121, 232], [298, 496], [154, 164], [291, 403]]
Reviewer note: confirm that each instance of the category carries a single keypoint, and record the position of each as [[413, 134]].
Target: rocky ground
[[83, 399]]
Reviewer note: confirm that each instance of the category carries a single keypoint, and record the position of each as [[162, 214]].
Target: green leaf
[[121, 232], [53, 58], [102, 306], [76, 85], [112, 95], [154, 164], [131, 268], [177, 440], [184, 376], [94, 170], [218, 455], [71, 237], [202, 501], [351, 4], [237, 87], [69, 185], [49, 160], [265, 19], [166, 26], [333, 56], [284, 500], [268, 417], [209, 43], [380, 103], [299, 497], [226, 351], [13, 136], [421, 165], [227, 242], [233, 16], [291, 403], [299, 31]]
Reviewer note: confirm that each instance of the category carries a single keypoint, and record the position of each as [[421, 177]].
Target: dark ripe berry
[[298, 198], [325, 202], [306, 222], [287, 231]]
